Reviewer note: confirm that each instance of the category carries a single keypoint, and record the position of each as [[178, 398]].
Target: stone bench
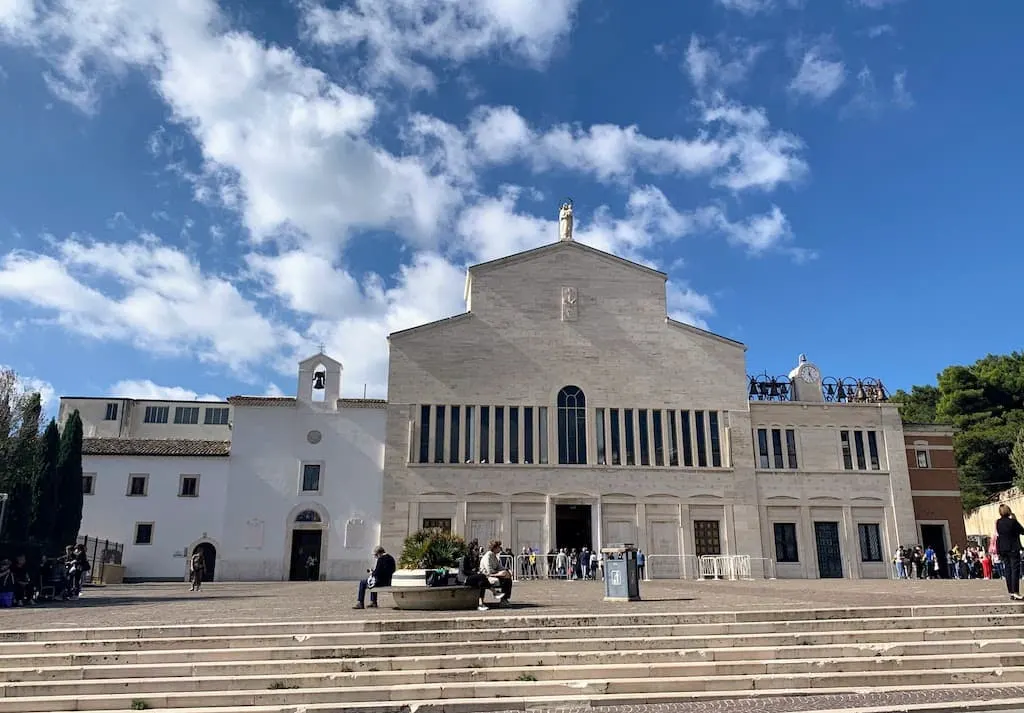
[[425, 598]]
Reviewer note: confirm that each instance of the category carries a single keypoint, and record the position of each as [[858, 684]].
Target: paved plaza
[[172, 603]]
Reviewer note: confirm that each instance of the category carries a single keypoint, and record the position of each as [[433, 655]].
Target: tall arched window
[[572, 426]]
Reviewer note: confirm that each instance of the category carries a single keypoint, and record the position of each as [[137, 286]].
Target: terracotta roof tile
[[363, 403], [154, 447], [262, 400]]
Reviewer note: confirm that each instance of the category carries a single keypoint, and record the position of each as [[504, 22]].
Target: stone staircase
[[504, 661]]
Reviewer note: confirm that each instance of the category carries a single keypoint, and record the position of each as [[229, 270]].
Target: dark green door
[[830, 558]]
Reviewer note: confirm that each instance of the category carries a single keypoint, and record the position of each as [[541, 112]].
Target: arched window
[[572, 426], [308, 516]]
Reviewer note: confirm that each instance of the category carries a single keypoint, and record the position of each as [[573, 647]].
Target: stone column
[[549, 524], [806, 544], [506, 523], [851, 554], [598, 526], [460, 518]]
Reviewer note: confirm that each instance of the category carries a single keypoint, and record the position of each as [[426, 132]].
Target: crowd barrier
[[540, 566], [731, 567]]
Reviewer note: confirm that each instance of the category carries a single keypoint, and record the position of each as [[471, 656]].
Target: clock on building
[[809, 373]]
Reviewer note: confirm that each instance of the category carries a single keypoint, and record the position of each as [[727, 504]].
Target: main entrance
[[830, 558], [209, 559], [305, 561], [573, 527], [934, 536]]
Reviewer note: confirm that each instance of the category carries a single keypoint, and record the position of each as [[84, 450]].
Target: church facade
[[565, 409]]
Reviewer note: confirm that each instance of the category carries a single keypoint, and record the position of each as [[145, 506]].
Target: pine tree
[[69, 482], [45, 494]]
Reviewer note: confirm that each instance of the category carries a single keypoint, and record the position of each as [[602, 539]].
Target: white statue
[[565, 221]]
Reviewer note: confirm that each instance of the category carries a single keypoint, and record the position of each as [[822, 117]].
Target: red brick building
[[935, 486]]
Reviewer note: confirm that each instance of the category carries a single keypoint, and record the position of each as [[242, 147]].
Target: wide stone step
[[57, 658], [499, 619], [288, 667], [581, 673], [597, 688], [449, 636]]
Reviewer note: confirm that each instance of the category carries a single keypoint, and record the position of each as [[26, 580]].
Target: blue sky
[[197, 194]]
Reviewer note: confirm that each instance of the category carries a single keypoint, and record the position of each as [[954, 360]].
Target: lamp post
[[3, 512]]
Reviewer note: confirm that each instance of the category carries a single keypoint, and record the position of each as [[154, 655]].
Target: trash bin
[[621, 577]]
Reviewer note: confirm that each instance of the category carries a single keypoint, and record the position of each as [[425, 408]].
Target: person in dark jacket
[[1008, 532], [383, 569]]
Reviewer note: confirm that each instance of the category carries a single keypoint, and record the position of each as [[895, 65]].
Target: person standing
[[197, 570], [383, 570], [1008, 532], [641, 564]]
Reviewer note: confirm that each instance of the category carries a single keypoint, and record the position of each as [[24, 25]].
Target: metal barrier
[[730, 567], [99, 553], [545, 566]]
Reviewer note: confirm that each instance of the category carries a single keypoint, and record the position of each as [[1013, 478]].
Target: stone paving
[[141, 604]]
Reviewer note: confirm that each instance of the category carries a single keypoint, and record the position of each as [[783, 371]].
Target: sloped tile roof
[[262, 400], [363, 403], [154, 447]]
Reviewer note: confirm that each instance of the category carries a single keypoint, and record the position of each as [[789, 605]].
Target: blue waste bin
[[621, 576]]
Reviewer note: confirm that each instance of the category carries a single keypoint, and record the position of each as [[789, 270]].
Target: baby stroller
[[53, 581]]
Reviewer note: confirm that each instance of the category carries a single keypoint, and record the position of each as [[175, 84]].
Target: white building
[[269, 483]]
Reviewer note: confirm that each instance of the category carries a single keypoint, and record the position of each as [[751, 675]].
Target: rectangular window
[[485, 434], [791, 448], [156, 414], [602, 458], [876, 464], [702, 456], [88, 484], [763, 461], [188, 487], [844, 439], [645, 438], [513, 434], [785, 542], [453, 442], [424, 434], [138, 485], [858, 442], [922, 459], [716, 443], [499, 434], [673, 440], [310, 477], [542, 434], [439, 434], [777, 448], [470, 434], [216, 416], [111, 412], [527, 434], [143, 533], [870, 542], [630, 447], [616, 440], [684, 418], [437, 523], [186, 415], [659, 438]]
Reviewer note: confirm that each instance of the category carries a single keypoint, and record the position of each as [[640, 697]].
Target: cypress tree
[[22, 466], [45, 495], [69, 482]]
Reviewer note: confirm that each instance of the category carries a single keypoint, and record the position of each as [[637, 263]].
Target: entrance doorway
[[209, 558], [934, 536], [830, 558], [305, 562], [573, 527]]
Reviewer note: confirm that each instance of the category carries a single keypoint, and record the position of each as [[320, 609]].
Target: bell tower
[[806, 381], [319, 381]]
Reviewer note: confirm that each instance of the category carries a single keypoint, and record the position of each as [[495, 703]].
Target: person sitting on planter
[[496, 574], [469, 573], [383, 571]]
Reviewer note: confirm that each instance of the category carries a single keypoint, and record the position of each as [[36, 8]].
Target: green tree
[[1017, 457], [918, 406], [19, 430], [45, 493], [69, 482]]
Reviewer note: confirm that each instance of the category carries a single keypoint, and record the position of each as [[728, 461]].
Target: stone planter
[[410, 591]]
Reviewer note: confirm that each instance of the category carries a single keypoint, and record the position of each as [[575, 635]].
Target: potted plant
[[426, 552]]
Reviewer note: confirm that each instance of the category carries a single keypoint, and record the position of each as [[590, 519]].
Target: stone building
[[259, 484], [565, 409]]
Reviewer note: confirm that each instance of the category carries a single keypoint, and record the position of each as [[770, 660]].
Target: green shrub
[[431, 549]]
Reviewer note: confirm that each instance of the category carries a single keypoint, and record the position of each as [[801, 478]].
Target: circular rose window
[[314, 437]]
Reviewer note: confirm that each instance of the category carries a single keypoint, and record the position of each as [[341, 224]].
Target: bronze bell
[[319, 380]]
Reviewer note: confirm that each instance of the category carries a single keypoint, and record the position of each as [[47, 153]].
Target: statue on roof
[[565, 221]]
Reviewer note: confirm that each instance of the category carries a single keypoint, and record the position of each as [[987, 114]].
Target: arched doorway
[[306, 554], [209, 557]]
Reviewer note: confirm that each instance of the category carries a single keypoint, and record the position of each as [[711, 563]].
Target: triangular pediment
[[319, 359], [562, 245]]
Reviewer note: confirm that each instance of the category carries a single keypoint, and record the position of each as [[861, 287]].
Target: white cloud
[[876, 4], [150, 295], [736, 146], [748, 7], [708, 70], [34, 385], [399, 35], [818, 77], [687, 305], [146, 390], [900, 94], [879, 30]]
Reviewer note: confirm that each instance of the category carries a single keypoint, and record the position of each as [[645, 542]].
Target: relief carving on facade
[[570, 307]]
